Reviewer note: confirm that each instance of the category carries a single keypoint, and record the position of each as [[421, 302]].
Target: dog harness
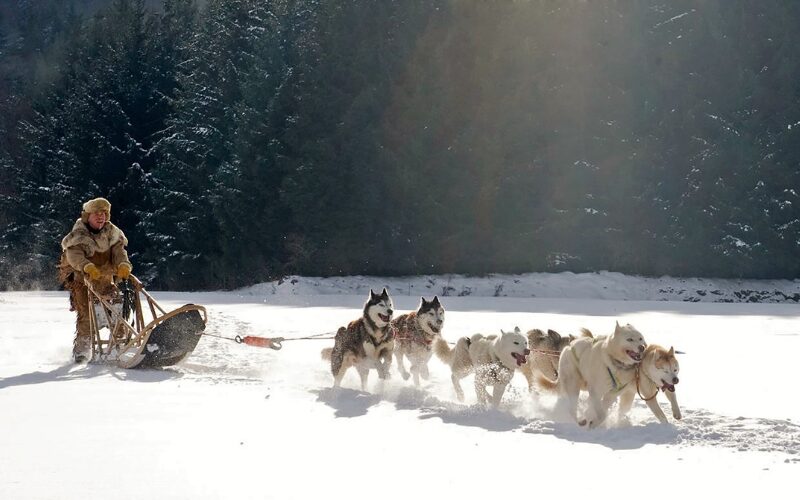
[[614, 384], [353, 328], [418, 338], [638, 390], [406, 328], [375, 342]]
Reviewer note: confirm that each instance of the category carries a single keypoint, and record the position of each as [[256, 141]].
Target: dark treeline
[[243, 140]]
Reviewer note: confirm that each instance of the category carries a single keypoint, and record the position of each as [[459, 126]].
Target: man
[[93, 249]]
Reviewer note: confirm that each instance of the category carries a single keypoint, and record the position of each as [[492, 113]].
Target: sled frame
[[124, 337]]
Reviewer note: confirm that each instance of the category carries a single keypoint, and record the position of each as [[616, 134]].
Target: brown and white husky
[[545, 351], [414, 334]]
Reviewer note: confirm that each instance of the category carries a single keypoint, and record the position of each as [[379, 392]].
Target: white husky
[[492, 358], [658, 370], [604, 366]]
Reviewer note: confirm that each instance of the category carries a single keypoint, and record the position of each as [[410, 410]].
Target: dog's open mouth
[[435, 329], [636, 356], [667, 387], [384, 317], [520, 358]]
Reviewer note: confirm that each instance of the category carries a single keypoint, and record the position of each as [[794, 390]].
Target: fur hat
[[96, 205]]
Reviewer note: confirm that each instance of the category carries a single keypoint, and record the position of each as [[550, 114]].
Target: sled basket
[[133, 343]]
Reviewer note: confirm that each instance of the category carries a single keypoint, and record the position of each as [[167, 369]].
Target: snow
[[238, 422]]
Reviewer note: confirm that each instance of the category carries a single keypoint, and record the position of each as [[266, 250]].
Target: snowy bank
[[603, 285]]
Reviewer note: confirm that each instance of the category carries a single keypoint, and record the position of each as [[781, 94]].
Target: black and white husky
[[365, 343], [414, 334]]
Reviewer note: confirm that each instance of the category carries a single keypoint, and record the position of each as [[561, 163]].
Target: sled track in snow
[[220, 361]]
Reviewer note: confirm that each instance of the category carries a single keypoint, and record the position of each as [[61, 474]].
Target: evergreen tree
[[216, 145]]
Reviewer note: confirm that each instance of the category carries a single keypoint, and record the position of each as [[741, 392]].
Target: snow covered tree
[[94, 126], [215, 182]]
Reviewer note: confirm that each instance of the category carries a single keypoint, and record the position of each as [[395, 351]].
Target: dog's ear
[[372, 294], [572, 337], [517, 330], [617, 327], [536, 334], [672, 351], [384, 293], [424, 305], [554, 336], [435, 302]]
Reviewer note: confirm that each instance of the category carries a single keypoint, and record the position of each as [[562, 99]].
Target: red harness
[[555, 354], [419, 339]]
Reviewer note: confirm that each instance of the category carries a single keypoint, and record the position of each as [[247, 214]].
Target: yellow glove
[[92, 271], [123, 271]]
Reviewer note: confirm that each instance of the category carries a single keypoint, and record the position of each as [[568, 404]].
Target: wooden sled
[[130, 341]]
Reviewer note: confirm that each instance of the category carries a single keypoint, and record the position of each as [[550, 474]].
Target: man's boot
[[82, 348]]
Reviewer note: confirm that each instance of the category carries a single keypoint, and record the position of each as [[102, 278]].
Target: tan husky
[[605, 366], [492, 358], [545, 351], [658, 370]]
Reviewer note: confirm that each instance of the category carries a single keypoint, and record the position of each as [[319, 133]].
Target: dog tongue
[[520, 358], [668, 387]]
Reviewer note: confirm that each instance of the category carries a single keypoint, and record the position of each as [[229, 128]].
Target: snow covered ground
[[238, 422]]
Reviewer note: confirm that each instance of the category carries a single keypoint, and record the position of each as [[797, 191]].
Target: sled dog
[[658, 370], [414, 334], [545, 351], [493, 359], [364, 343], [605, 366]]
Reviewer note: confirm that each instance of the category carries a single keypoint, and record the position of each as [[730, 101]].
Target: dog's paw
[[677, 414]]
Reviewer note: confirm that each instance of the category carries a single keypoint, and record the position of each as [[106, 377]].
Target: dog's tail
[[545, 383], [443, 351], [586, 333], [327, 353]]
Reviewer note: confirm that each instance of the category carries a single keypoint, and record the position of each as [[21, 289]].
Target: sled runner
[[133, 343]]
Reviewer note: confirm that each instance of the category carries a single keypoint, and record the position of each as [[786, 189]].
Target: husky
[[493, 359], [658, 370], [545, 351], [414, 334], [365, 343], [605, 366]]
